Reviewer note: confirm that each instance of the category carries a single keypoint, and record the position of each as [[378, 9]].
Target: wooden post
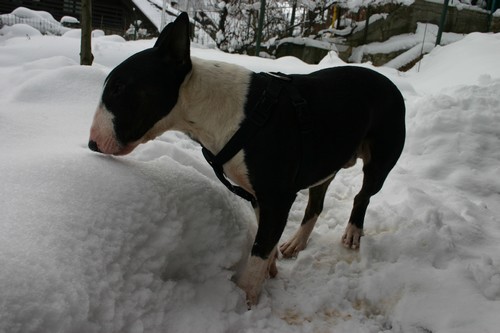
[[86, 56], [260, 27]]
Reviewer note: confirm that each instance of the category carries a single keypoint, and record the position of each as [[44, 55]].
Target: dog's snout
[[93, 146]]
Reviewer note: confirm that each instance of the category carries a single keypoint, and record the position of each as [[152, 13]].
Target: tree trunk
[[86, 56]]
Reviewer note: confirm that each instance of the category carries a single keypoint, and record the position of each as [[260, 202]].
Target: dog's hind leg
[[378, 161], [314, 207]]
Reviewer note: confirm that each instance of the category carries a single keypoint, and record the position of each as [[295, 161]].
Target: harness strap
[[255, 120], [251, 125], [219, 172]]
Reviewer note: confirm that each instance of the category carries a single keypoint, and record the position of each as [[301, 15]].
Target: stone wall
[[308, 54], [404, 20], [401, 20]]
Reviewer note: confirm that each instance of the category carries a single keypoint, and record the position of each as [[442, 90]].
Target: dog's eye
[[113, 95]]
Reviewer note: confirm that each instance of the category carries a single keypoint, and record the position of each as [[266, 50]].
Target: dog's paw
[[298, 242], [352, 237], [252, 298], [293, 246], [253, 277]]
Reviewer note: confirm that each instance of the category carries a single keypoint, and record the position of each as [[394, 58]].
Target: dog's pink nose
[[93, 146]]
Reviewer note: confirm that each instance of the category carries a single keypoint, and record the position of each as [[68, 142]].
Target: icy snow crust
[[149, 242]]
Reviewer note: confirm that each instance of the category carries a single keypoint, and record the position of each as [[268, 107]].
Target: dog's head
[[141, 91]]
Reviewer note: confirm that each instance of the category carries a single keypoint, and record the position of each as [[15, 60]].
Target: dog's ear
[[163, 34], [173, 42]]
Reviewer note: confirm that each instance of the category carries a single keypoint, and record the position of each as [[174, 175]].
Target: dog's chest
[[236, 170], [212, 106]]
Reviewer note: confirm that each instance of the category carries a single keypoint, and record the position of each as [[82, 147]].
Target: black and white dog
[[271, 135]]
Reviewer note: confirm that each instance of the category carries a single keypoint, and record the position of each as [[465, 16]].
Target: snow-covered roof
[[152, 9]]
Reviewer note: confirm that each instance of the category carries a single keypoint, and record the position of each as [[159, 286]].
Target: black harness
[[253, 123]]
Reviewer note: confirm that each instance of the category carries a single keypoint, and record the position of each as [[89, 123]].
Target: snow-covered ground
[[415, 44], [149, 242], [42, 21]]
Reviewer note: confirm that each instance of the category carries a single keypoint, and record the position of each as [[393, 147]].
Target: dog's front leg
[[272, 215], [254, 275]]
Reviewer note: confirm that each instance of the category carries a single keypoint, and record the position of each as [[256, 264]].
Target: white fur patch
[[210, 109], [324, 180], [352, 236], [299, 240], [103, 133], [253, 278]]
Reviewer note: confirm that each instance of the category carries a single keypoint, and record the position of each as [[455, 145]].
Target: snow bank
[[150, 242], [69, 20], [415, 44], [466, 62], [121, 256], [18, 30], [307, 42], [355, 5], [42, 21]]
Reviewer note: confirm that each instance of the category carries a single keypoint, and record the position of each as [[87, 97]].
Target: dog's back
[[347, 107]]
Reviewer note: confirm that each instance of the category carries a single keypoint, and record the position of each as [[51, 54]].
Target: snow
[[18, 30], [309, 42], [415, 44], [355, 5], [69, 20], [153, 11], [43, 21], [149, 242]]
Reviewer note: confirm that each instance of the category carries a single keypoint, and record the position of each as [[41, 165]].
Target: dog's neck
[[211, 101]]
